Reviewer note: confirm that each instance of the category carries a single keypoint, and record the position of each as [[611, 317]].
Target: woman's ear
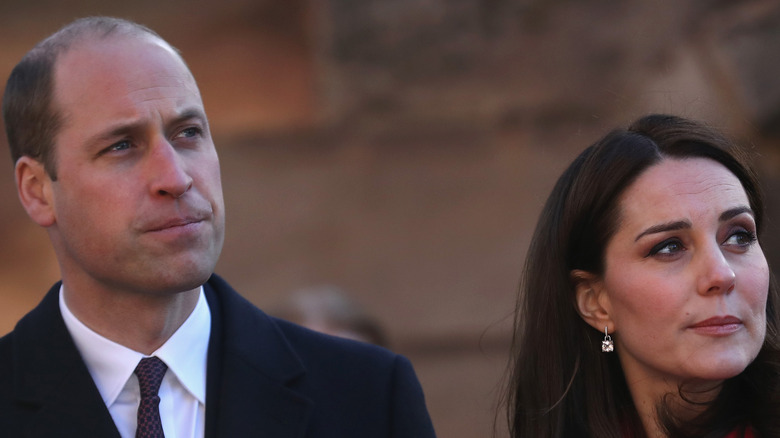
[[592, 300], [35, 192]]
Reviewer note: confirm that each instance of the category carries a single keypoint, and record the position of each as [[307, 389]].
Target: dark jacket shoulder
[[354, 388]]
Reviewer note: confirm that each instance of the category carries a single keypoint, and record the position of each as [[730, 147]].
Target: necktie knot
[[150, 372]]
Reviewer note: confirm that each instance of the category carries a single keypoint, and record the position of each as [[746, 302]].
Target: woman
[[647, 308]]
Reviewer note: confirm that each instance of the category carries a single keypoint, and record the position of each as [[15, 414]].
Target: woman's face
[[685, 279]]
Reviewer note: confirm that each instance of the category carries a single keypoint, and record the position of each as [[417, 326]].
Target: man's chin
[[182, 276], [187, 280]]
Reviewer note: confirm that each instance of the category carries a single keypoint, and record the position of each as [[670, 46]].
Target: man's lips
[[173, 223], [718, 325], [182, 219]]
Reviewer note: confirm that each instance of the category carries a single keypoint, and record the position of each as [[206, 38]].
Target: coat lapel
[[256, 371], [54, 391], [251, 376]]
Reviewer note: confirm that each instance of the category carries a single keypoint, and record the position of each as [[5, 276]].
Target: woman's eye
[[667, 247], [741, 238]]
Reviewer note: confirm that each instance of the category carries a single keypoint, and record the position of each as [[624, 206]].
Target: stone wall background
[[403, 149]]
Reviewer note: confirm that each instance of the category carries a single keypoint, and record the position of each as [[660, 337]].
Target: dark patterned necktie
[[150, 372]]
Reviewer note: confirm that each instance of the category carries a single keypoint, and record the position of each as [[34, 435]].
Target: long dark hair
[[560, 384]]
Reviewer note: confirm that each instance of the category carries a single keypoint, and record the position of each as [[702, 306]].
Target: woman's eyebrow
[[660, 228], [733, 212], [678, 225]]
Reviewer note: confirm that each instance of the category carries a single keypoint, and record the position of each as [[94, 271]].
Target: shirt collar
[[111, 364], [186, 351]]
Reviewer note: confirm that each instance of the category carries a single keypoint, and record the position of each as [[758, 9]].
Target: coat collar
[[253, 384], [52, 382], [251, 377]]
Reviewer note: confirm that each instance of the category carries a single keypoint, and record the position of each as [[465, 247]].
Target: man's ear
[[592, 300], [34, 187]]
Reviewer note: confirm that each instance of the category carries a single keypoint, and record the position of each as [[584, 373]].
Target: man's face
[[138, 202]]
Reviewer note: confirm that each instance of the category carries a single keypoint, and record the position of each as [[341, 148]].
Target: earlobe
[[592, 300], [34, 188]]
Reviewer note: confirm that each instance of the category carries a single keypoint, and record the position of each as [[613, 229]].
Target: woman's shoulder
[[742, 432]]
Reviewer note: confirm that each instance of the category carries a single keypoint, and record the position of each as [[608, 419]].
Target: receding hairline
[[93, 27], [91, 44], [29, 105], [92, 30]]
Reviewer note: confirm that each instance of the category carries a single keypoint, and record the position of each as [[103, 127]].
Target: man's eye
[[119, 146], [189, 132]]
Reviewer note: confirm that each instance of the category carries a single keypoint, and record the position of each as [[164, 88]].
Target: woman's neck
[[681, 404]]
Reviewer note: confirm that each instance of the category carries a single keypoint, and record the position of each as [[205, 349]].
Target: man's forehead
[[107, 61], [94, 44], [107, 81]]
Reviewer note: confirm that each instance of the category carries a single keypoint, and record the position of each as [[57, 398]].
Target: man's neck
[[141, 322]]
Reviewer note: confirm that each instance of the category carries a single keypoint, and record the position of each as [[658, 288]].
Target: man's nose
[[168, 173]]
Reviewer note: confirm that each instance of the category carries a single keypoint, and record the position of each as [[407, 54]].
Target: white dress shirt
[[183, 390]]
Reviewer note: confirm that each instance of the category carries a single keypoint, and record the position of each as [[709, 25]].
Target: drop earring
[[607, 345]]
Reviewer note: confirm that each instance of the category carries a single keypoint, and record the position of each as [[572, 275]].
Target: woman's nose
[[716, 276]]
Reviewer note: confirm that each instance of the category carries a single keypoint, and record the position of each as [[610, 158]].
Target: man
[[115, 160]]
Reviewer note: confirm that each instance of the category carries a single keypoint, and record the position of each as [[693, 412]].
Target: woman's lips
[[718, 325]]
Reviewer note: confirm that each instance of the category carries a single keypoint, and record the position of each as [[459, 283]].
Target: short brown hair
[[31, 118]]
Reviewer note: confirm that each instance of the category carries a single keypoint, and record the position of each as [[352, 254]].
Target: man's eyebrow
[[124, 128], [190, 113], [118, 130], [660, 228]]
